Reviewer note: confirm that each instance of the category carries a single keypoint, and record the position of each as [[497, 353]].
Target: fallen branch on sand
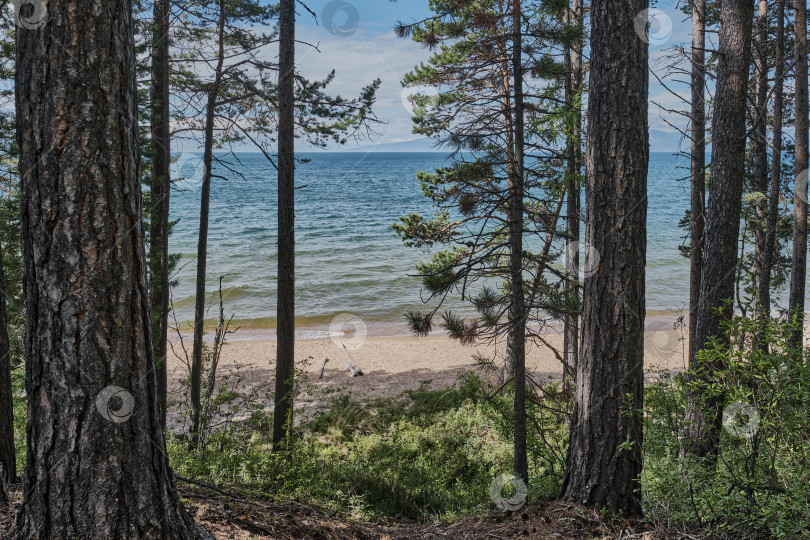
[[356, 372]]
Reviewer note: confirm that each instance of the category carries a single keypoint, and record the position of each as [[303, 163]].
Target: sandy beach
[[392, 365]]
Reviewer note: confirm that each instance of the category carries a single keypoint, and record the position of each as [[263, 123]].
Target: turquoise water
[[348, 257]]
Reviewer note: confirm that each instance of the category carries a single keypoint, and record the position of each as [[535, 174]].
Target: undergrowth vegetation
[[431, 454], [759, 485]]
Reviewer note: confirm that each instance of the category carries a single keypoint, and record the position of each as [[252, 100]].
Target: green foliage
[[407, 470], [13, 265], [759, 484], [20, 416], [223, 66], [440, 274], [431, 454], [462, 98], [414, 470]]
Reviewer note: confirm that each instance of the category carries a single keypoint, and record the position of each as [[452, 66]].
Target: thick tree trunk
[[96, 462], [573, 170], [202, 239], [285, 314], [697, 223], [763, 297], [160, 192], [604, 456], [798, 269], [703, 417], [516, 337], [761, 155], [7, 454]]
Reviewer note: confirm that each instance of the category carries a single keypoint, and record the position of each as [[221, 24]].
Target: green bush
[[760, 484], [430, 455], [440, 468]]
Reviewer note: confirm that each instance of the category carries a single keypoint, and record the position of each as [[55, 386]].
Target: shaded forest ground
[[228, 514]]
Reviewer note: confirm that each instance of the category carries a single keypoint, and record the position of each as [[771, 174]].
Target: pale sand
[[392, 365]]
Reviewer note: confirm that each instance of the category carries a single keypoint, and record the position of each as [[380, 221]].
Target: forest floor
[[254, 520], [229, 515]]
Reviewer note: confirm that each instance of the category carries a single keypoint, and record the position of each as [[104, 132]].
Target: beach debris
[[323, 366], [355, 371]]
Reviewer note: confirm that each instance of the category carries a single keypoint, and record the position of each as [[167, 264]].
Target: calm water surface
[[348, 259]]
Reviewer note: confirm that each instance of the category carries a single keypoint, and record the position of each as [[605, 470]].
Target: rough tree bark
[[761, 154], [704, 416], [202, 239], [604, 457], [798, 269], [697, 223], [573, 85], [285, 311], [160, 188], [96, 463], [7, 454], [763, 297], [516, 337]]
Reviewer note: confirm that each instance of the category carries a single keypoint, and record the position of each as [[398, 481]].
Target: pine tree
[[723, 210], [798, 271], [697, 155], [160, 193], [573, 96], [604, 455], [96, 464], [759, 134], [763, 293], [492, 202], [285, 352]]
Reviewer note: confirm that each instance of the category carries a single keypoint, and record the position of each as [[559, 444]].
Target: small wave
[[228, 293]]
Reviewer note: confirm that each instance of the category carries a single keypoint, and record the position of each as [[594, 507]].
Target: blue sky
[[355, 37]]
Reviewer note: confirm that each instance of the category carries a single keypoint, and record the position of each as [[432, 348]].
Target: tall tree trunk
[[798, 269], [7, 453], [761, 155], [764, 285], [704, 416], [516, 338], [160, 192], [285, 355], [96, 462], [697, 223], [573, 89], [202, 240], [604, 456]]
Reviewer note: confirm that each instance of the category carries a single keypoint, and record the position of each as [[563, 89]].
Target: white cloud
[[358, 60]]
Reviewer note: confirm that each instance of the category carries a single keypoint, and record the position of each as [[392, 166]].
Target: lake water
[[348, 257]]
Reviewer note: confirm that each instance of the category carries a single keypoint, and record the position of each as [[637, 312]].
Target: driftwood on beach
[[323, 366], [355, 371]]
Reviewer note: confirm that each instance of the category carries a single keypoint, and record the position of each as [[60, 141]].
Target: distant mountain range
[[416, 145], [660, 141]]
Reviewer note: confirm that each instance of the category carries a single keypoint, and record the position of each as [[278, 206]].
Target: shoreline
[[343, 323], [391, 364]]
